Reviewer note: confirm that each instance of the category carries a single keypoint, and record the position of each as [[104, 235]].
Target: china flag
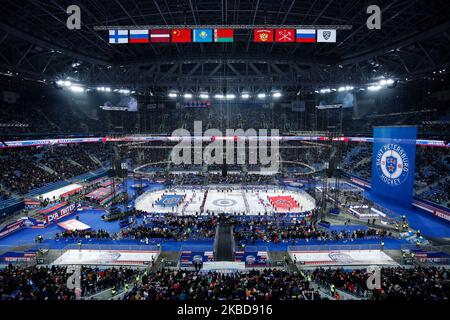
[[181, 35], [285, 35], [263, 35]]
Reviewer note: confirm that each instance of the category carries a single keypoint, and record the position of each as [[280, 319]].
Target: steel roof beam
[[51, 46]]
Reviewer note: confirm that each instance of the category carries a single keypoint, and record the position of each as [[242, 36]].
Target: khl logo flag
[[326, 35], [393, 162]]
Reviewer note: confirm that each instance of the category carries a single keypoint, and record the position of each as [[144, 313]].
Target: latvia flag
[[181, 35], [263, 35], [285, 35], [159, 35]]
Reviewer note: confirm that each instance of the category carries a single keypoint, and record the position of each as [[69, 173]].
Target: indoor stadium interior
[[205, 150]]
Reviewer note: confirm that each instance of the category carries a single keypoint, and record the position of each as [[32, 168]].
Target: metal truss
[[412, 43]]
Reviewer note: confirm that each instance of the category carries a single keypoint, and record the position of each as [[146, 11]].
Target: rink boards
[[106, 257], [341, 258]]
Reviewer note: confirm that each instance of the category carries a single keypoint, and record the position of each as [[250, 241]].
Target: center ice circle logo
[[224, 202], [340, 257], [392, 164], [170, 201], [282, 203]]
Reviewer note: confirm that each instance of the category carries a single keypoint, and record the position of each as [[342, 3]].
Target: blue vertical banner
[[393, 163]]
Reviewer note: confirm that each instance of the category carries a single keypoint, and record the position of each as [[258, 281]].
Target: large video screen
[[346, 99], [127, 103]]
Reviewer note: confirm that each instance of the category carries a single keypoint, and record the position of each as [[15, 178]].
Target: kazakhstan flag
[[203, 35]]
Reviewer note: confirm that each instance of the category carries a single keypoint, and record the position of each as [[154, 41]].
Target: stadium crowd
[[397, 283], [180, 285], [174, 227], [86, 234], [270, 231], [431, 180], [50, 283], [22, 170]]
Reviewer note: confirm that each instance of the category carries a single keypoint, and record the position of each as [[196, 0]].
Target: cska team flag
[[285, 35], [159, 35], [263, 35], [181, 35], [138, 36], [223, 35]]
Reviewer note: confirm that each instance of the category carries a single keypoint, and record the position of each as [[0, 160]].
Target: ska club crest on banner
[[392, 164]]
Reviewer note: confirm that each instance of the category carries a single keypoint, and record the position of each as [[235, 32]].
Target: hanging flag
[[118, 36], [326, 35], [285, 35], [203, 35], [159, 35], [138, 36], [306, 35], [223, 35], [181, 35], [263, 35]]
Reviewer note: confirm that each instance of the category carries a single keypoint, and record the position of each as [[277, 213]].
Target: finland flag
[[118, 36]]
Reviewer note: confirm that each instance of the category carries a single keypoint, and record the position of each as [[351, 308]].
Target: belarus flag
[[306, 35], [223, 35], [138, 36], [285, 35], [181, 35], [159, 35]]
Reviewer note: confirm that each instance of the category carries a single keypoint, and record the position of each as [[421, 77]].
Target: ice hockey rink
[[224, 200]]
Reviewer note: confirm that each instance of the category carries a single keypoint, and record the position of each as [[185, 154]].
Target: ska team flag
[[118, 36]]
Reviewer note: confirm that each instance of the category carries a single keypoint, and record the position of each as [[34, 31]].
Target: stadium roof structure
[[412, 43]]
